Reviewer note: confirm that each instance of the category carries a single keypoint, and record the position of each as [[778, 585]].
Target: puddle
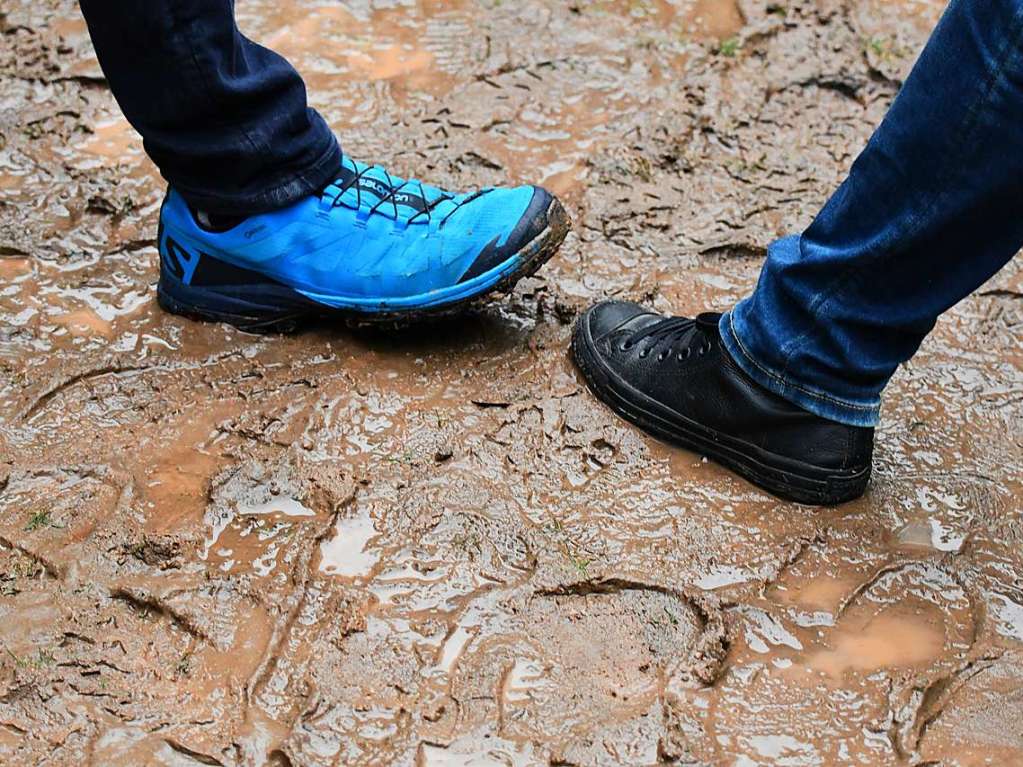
[[724, 575], [453, 648], [821, 593], [525, 678], [347, 553], [414, 48], [782, 750], [931, 534], [391, 62], [765, 633], [715, 20], [84, 322], [891, 640], [14, 268], [1008, 615], [252, 537], [113, 142], [469, 753], [176, 481], [287, 507]]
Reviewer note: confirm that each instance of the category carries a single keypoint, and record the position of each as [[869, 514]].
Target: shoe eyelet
[[624, 346], [662, 357], [644, 353], [684, 354]]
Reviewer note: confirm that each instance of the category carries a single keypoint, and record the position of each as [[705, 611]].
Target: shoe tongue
[[367, 187]]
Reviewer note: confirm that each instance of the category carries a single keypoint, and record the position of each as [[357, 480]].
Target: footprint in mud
[[851, 654], [573, 669], [910, 617]]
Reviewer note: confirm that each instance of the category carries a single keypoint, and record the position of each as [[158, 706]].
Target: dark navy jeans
[[931, 209], [224, 119]]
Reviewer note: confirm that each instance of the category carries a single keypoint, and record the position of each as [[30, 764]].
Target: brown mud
[[435, 548]]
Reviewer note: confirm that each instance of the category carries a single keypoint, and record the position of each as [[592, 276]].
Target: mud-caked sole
[[279, 309], [784, 477]]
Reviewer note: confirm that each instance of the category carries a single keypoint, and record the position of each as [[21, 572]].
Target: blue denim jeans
[[224, 119], [931, 209]]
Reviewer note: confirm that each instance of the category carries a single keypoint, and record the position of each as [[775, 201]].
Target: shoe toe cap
[[606, 317], [530, 225], [534, 219]]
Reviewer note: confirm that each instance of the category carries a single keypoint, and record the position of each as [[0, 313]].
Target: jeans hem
[[864, 414], [278, 193]]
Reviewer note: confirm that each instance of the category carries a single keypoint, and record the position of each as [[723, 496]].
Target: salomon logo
[[181, 263]]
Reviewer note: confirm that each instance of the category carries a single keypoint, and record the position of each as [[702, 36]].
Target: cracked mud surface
[[435, 548]]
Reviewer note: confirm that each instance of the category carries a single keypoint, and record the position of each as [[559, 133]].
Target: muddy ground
[[434, 547]]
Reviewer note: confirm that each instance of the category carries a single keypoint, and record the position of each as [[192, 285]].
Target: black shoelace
[[671, 334], [429, 205]]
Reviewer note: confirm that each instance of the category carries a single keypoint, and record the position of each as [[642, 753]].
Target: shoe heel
[[253, 308], [281, 323]]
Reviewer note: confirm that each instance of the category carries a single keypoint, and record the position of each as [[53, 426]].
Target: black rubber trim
[[530, 226]]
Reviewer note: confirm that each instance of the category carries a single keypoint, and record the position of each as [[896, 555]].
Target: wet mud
[[434, 548]]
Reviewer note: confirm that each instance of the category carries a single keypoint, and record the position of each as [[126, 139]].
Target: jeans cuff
[[278, 193], [807, 397]]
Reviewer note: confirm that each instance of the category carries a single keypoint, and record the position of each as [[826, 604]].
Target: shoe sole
[[287, 311], [783, 477]]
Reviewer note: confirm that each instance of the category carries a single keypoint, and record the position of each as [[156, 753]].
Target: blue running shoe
[[369, 247]]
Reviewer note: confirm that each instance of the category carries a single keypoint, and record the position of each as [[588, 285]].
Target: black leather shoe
[[672, 377]]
